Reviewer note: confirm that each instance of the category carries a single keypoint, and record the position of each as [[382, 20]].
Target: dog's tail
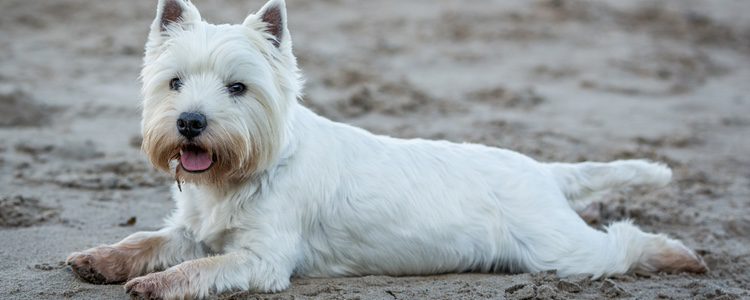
[[580, 182]]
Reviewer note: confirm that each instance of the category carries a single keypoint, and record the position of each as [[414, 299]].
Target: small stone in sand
[[129, 222], [521, 291], [612, 289], [568, 286]]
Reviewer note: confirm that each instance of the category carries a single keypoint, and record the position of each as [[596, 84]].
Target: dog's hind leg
[[580, 182], [566, 244], [137, 254], [560, 240]]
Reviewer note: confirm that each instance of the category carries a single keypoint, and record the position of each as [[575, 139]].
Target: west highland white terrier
[[267, 190]]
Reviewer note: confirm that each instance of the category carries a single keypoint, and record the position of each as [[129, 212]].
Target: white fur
[[330, 199], [584, 182]]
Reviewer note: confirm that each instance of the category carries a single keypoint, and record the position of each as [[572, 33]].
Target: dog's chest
[[211, 232], [210, 220]]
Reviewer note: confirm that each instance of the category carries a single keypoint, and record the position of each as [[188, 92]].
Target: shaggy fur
[[290, 193]]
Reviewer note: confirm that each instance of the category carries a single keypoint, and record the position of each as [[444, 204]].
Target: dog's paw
[[145, 287], [663, 254], [159, 285], [676, 258], [97, 266], [82, 266]]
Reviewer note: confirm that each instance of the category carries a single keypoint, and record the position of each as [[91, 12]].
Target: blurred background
[[557, 80]]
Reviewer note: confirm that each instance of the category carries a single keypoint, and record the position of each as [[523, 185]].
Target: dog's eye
[[236, 89], [175, 84]]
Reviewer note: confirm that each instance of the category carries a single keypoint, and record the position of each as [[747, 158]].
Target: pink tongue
[[195, 161]]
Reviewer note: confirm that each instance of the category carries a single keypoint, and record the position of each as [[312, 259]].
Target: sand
[[558, 80]]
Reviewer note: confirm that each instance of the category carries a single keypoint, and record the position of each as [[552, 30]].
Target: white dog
[[268, 190]]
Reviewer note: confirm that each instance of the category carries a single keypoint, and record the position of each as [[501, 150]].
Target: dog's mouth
[[195, 159]]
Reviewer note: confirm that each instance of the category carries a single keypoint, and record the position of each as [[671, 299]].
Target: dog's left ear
[[273, 15]]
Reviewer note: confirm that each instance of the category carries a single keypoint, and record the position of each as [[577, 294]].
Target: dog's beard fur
[[238, 150]]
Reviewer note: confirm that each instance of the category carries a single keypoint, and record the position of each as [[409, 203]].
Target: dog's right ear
[[171, 13]]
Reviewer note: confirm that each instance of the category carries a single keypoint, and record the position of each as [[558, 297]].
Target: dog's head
[[216, 97]]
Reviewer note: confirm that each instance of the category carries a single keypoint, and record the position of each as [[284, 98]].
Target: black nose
[[191, 124]]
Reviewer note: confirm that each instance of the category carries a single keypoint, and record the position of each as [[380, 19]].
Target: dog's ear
[[171, 13], [273, 15], [178, 12]]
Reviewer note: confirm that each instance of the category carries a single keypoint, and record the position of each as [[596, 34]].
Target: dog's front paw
[[160, 285], [98, 265], [82, 265], [145, 287]]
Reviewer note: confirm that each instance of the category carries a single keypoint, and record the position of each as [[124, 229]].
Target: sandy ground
[[557, 80]]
